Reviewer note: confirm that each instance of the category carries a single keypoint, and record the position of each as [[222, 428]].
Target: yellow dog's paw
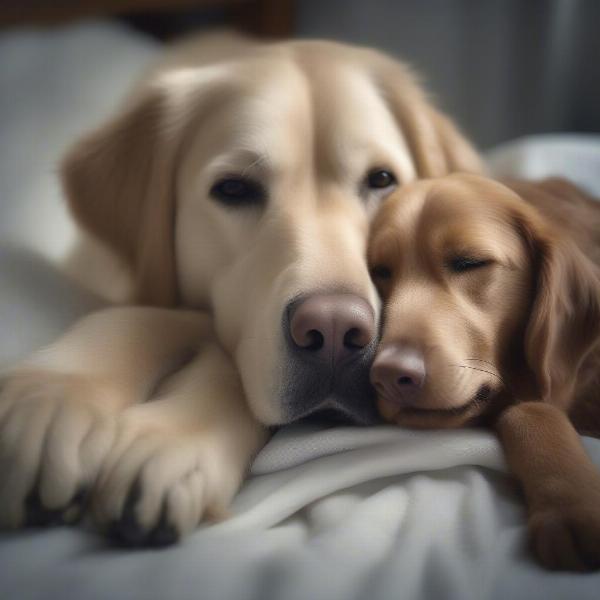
[[53, 438], [567, 537], [161, 480]]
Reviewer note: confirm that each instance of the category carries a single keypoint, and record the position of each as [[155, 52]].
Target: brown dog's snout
[[332, 326], [398, 374]]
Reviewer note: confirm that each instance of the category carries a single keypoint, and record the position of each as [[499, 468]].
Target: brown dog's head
[[485, 301]]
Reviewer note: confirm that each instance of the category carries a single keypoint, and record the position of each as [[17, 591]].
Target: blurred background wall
[[502, 68]]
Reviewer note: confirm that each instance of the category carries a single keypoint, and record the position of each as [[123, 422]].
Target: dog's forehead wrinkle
[[179, 84], [243, 159], [344, 146], [263, 117], [315, 119], [464, 224]]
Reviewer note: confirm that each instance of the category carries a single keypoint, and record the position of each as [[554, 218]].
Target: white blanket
[[340, 513]]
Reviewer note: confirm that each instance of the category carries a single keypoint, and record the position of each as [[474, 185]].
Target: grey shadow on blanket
[[37, 302]]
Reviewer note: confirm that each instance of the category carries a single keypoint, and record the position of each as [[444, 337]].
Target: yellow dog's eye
[[460, 264], [380, 178], [238, 191]]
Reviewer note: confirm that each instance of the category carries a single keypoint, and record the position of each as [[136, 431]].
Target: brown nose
[[332, 326], [398, 374]]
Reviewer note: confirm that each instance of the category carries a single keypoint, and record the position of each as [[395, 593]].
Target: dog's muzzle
[[331, 341]]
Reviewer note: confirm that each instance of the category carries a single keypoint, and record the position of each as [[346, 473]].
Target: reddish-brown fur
[[526, 325]]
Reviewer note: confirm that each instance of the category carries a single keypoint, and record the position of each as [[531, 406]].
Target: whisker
[[483, 371], [506, 386], [494, 374], [483, 361]]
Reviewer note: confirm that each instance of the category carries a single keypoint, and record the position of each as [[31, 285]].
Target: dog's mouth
[[452, 416], [478, 401]]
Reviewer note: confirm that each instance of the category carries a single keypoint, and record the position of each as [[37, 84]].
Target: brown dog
[[492, 317]]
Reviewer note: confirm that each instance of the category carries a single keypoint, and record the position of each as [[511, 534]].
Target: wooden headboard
[[270, 18]]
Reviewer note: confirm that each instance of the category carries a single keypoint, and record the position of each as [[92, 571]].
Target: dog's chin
[[454, 416], [344, 396], [349, 409]]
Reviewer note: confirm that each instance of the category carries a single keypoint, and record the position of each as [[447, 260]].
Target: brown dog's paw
[[567, 537]]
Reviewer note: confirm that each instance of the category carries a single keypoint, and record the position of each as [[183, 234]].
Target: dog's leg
[[178, 459], [561, 485], [58, 408]]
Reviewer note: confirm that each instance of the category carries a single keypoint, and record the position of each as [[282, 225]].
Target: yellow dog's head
[[245, 185]]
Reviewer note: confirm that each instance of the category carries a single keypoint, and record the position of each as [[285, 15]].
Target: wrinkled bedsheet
[[338, 513]]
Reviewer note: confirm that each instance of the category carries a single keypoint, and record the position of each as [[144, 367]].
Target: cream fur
[[306, 119]]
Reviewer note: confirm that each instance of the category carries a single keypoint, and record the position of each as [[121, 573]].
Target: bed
[[334, 513]]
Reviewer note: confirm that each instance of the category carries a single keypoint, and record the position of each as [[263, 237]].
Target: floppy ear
[[564, 320], [119, 182], [436, 145]]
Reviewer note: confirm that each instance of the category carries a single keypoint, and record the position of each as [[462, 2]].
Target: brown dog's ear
[[564, 320], [436, 145], [119, 183]]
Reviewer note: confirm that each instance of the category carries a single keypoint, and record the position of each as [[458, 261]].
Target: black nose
[[332, 326], [398, 373]]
